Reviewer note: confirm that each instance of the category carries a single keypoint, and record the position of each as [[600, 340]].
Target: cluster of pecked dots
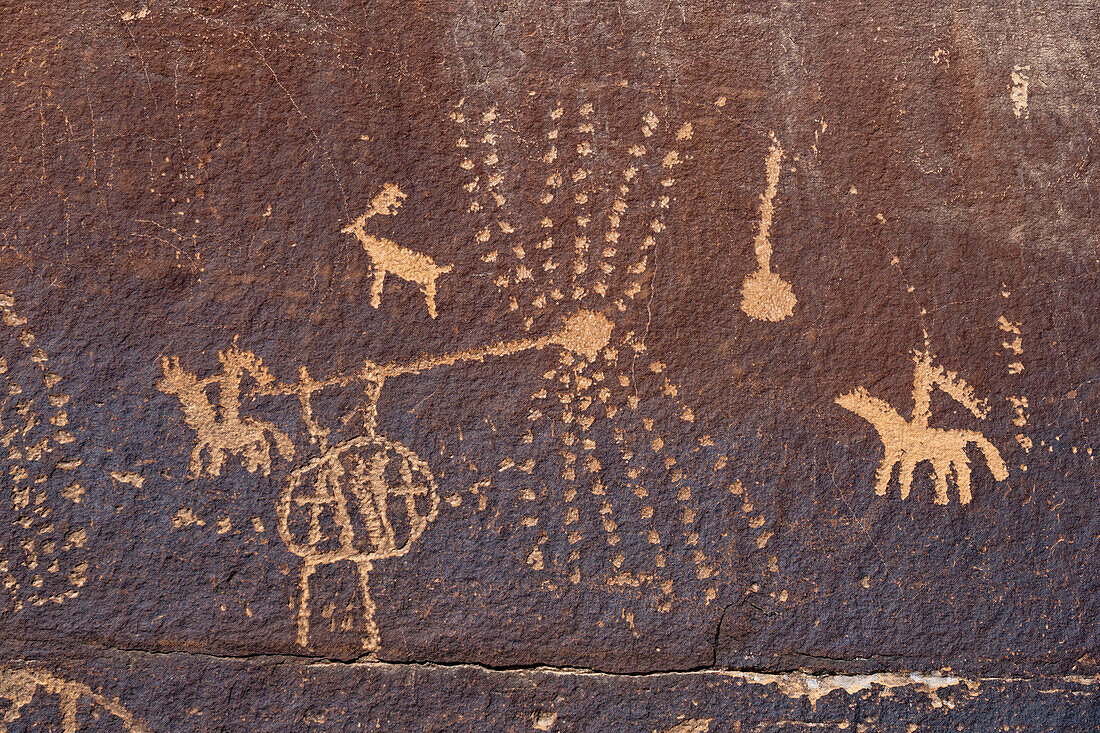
[[31, 433], [478, 140]]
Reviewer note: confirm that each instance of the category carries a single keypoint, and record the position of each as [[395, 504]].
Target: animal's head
[[851, 401], [385, 203], [175, 378], [867, 406], [388, 201]]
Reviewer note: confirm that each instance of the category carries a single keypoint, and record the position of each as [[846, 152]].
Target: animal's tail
[[992, 457]]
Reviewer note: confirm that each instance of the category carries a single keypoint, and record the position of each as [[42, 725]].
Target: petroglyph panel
[[690, 345]]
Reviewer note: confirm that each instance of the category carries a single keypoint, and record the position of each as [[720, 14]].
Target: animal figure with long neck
[[908, 443], [388, 257]]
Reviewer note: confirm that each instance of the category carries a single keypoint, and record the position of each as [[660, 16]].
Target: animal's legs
[[376, 287], [886, 469], [905, 474], [67, 703], [429, 295], [216, 460], [961, 465], [196, 466], [940, 468], [992, 457]]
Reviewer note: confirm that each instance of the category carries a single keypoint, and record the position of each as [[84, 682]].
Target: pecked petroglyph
[[365, 499], [1018, 93], [602, 205], [221, 431], [382, 497], [692, 725], [80, 707], [40, 561], [608, 407], [765, 296], [1012, 345], [814, 687], [907, 443], [388, 257]]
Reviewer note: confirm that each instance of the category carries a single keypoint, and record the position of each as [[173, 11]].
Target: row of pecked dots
[[647, 526], [467, 130], [554, 200], [612, 247], [543, 265], [649, 439], [688, 508], [629, 443], [557, 414], [1012, 345], [570, 409], [584, 190], [480, 143], [661, 203], [500, 227], [575, 379]]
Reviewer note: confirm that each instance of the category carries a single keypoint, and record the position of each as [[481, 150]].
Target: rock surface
[[492, 365]]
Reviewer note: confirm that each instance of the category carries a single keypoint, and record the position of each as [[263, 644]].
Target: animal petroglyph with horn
[[908, 443]]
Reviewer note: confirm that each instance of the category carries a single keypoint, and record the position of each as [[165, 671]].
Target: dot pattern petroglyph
[[41, 553], [609, 464], [603, 205], [1012, 346]]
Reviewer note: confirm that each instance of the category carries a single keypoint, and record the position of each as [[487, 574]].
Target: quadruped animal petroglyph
[[388, 257], [78, 703], [907, 443], [221, 431]]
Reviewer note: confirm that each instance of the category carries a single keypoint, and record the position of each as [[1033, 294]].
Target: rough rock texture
[[496, 365]]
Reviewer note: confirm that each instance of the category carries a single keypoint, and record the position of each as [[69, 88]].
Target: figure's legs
[[885, 470], [376, 287], [196, 466], [371, 639], [308, 566], [68, 703], [217, 460]]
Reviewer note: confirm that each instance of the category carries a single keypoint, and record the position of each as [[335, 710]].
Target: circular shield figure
[[365, 499]]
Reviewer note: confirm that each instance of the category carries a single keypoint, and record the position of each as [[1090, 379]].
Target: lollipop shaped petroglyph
[[765, 296]]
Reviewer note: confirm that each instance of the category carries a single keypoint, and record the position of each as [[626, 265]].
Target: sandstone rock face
[[496, 365]]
